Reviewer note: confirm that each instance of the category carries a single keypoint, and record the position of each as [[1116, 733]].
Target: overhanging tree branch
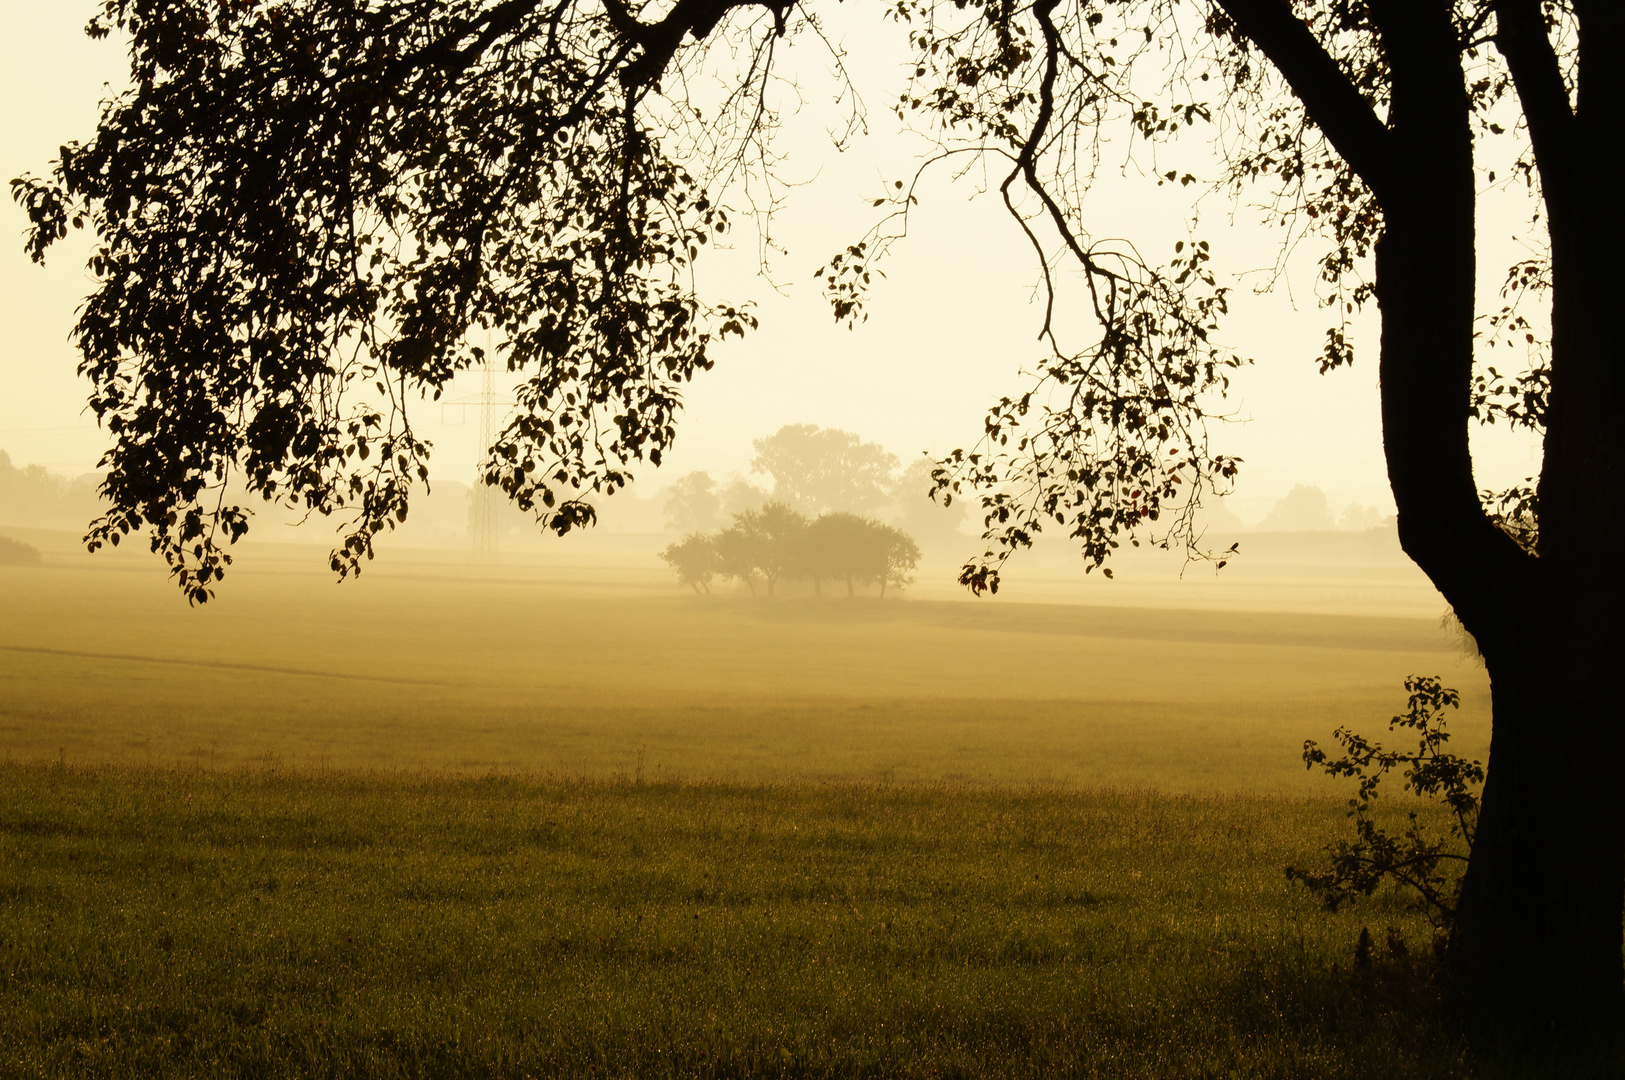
[[687, 18], [1330, 99], [1520, 35]]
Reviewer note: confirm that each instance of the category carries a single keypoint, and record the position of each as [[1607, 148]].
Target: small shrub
[[17, 553], [1429, 865]]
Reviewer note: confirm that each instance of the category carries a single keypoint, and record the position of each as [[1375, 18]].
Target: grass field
[[468, 823], [178, 924]]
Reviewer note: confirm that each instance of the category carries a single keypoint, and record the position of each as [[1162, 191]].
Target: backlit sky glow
[[948, 331]]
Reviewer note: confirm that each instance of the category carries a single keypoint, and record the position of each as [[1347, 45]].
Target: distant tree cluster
[[778, 543], [818, 471], [1303, 509], [1306, 509]]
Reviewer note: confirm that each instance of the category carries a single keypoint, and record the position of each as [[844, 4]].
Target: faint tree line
[[32, 497], [778, 543], [17, 553]]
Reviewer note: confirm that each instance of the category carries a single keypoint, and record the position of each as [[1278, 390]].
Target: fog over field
[[977, 641], [1044, 683], [551, 813], [583, 655]]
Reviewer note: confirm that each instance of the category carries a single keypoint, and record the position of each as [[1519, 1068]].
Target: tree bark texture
[[1539, 930]]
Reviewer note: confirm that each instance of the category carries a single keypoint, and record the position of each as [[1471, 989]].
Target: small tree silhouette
[[1429, 865]]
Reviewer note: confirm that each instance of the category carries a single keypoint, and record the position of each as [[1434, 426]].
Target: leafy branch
[[1426, 863]]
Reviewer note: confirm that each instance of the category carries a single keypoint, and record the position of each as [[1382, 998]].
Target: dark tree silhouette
[[303, 200], [779, 544]]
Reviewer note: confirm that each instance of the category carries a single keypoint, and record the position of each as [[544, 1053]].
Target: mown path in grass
[[191, 924]]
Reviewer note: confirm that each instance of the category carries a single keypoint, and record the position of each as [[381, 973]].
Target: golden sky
[[949, 329]]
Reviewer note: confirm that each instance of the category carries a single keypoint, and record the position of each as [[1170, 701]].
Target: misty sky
[[949, 329]]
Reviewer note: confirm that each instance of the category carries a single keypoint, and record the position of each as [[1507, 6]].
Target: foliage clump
[[305, 216], [1418, 859], [777, 543]]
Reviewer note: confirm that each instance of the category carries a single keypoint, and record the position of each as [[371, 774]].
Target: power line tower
[[482, 525]]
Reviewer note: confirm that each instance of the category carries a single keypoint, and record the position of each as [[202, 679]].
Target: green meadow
[[451, 821], [171, 923]]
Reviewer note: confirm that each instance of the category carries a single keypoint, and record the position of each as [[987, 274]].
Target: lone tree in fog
[[304, 202]]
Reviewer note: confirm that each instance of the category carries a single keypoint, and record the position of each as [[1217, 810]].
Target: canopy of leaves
[[304, 208]]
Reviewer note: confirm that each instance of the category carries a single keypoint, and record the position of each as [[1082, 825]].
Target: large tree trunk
[[1539, 930], [1537, 942], [1537, 945]]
